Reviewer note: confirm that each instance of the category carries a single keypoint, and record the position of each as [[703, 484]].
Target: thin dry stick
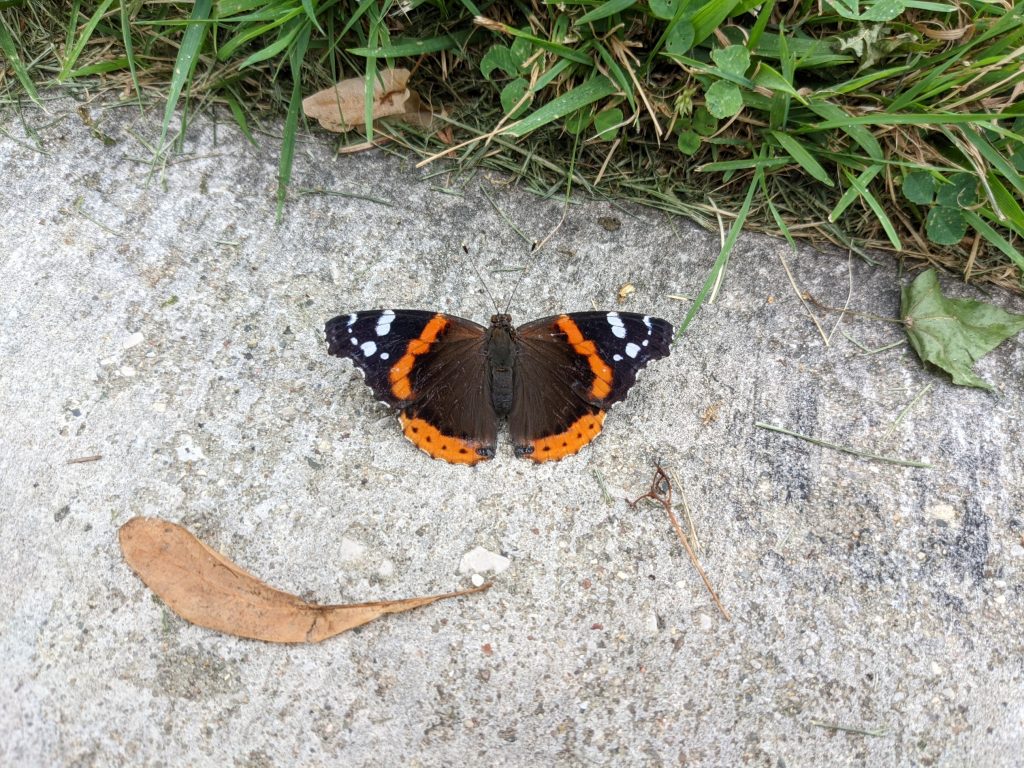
[[659, 481], [849, 294], [803, 301], [85, 459]]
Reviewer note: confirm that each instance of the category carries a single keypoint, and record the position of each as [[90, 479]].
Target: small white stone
[[159, 407], [1016, 551], [622, 575], [386, 569], [1001, 599], [127, 371], [704, 622], [477, 580], [188, 450], [350, 550], [480, 560], [106, 362], [936, 669], [132, 341], [944, 512]]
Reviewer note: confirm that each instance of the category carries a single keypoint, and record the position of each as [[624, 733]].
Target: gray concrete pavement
[[159, 318]]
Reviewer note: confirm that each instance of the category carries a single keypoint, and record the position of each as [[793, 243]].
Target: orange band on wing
[[579, 433], [602, 384], [401, 387], [431, 441]]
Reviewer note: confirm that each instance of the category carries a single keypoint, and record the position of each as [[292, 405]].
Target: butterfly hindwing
[[570, 369], [432, 367]]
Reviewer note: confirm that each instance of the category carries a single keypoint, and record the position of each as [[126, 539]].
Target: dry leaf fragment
[[204, 587], [342, 107]]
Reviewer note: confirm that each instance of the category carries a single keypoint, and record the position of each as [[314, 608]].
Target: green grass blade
[[83, 39], [286, 38], [413, 47], [188, 55], [307, 6], [865, 140], [799, 153], [239, 114], [723, 255], [996, 160], [993, 237], [596, 88], [291, 123], [10, 51], [603, 11], [852, 192], [876, 208], [709, 16], [126, 38]]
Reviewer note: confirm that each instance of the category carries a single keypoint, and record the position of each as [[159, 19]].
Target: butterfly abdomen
[[501, 357]]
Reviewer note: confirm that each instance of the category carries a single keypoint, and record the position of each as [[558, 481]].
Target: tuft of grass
[[871, 124]]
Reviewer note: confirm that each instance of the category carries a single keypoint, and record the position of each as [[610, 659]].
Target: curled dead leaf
[[341, 107], [204, 587]]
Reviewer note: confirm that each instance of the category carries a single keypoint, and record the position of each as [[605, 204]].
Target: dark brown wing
[[570, 369], [430, 366]]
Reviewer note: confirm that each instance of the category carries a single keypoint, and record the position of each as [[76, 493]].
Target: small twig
[[845, 448], [847, 729], [803, 301], [866, 315], [341, 193], [849, 294], [604, 488], [664, 497], [505, 217], [865, 351], [903, 413], [85, 459]]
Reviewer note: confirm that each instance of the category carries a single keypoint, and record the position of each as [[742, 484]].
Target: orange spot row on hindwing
[[566, 443], [430, 440], [602, 384], [401, 387]]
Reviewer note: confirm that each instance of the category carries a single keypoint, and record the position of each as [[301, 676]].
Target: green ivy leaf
[[665, 9], [945, 226], [703, 123], [960, 192], [578, 121], [723, 99], [521, 50], [734, 60], [511, 95], [680, 37], [498, 57], [953, 333], [919, 187], [607, 122], [688, 143]]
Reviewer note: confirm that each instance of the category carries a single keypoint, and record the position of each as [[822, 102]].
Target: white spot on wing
[[384, 355], [632, 349], [647, 322], [384, 322], [355, 341], [351, 320], [369, 348], [618, 329], [617, 358]]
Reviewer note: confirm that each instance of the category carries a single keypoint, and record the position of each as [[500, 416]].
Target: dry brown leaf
[[204, 587], [341, 107]]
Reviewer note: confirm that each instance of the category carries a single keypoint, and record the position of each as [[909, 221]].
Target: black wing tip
[[335, 335]]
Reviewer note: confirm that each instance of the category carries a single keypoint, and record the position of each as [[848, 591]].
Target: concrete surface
[[159, 318]]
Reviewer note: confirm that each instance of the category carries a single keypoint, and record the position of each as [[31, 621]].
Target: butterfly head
[[502, 321]]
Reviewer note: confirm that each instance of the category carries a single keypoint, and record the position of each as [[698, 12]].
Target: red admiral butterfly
[[452, 379]]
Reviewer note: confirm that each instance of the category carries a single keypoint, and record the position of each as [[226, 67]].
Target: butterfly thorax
[[501, 357]]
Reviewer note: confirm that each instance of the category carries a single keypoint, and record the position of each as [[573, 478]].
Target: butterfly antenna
[[533, 258], [479, 277]]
